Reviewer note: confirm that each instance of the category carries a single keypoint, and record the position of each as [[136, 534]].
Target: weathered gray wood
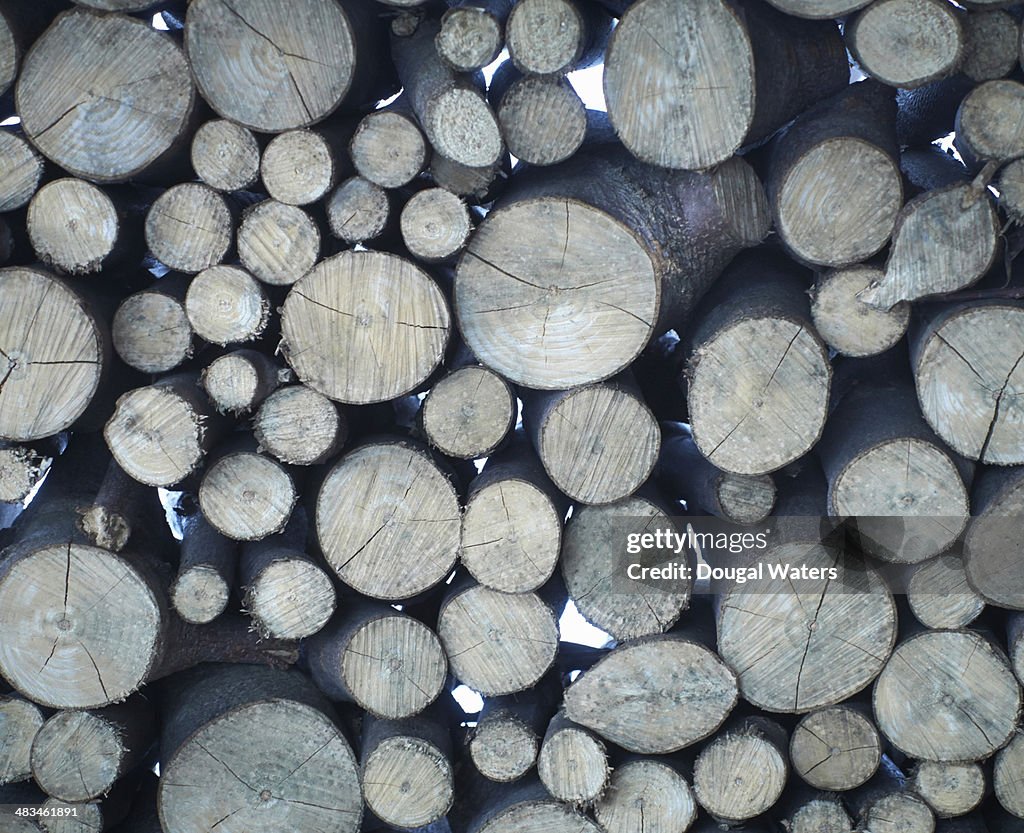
[[299, 426], [572, 763], [991, 547], [206, 572], [151, 330], [226, 305], [950, 789]]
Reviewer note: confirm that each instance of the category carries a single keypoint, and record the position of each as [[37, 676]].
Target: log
[[512, 525], [526, 806], [20, 720], [406, 770], [846, 322], [299, 167], [945, 239], [825, 636], [639, 697], [20, 26], [402, 536], [906, 43], [646, 794], [819, 9], [115, 62], [478, 185], [271, 68], [472, 33], [573, 762], [123, 511], [889, 470], [345, 321], [505, 743], [160, 434], [936, 712], [552, 37], [67, 817], [1006, 779], [778, 66], [1010, 183], [687, 475], [834, 179], [15, 797], [1015, 641], [206, 572], [151, 330], [523, 311], [927, 113], [245, 495], [740, 774], [226, 305], [758, 375], [239, 381], [278, 243], [950, 789], [835, 747], [973, 349], [299, 426], [21, 170], [388, 147], [21, 468], [379, 658], [985, 123], [435, 225], [991, 546], [469, 412], [940, 596], [358, 210], [453, 112], [819, 814], [226, 156], [990, 44], [300, 776], [52, 373], [79, 756], [543, 119], [189, 228], [598, 571], [931, 167], [497, 643]]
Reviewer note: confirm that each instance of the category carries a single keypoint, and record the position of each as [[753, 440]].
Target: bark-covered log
[[696, 113], [190, 228], [206, 572], [105, 96], [299, 426], [939, 595], [847, 323], [21, 170], [346, 324], [226, 305], [435, 225], [906, 43], [1009, 788], [929, 708], [273, 68], [278, 243], [836, 747], [226, 156], [239, 381], [151, 330], [300, 166], [381, 659], [646, 794], [927, 113], [660, 237], [122, 511], [552, 37], [950, 789], [20, 720], [992, 546], [50, 372], [543, 119], [478, 185], [388, 147], [573, 762], [401, 536], [472, 33], [358, 210]]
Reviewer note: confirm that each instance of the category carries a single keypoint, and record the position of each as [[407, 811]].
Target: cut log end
[[849, 325], [503, 748], [291, 599], [151, 332], [544, 120], [278, 243], [739, 775], [990, 44], [1007, 783], [469, 412], [358, 210], [226, 305], [299, 426], [73, 226], [407, 782], [104, 527], [462, 127], [21, 169], [545, 37], [200, 594], [77, 756], [820, 815], [238, 382], [984, 121], [470, 38], [835, 748], [435, 225], [950, 789], [898, 812], [573, 765], [20, 720], [247, 496], [226, 155], [298, 167], [646, 795], [388, 149], [940, 596], [189, 227], [21, 468]]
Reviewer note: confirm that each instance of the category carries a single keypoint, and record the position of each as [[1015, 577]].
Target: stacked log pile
[[345, 354]]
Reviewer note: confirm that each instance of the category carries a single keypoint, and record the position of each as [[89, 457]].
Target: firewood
[[950, 789], [358, 210], [151, 330], [343, 320], [846, 322], [472, 33], [927, 113], [740, 773], [819, 8], [1015, 640], [940, 596], [834, 182], [512, 526], [20, 720], [1010, 183], [758, 374], [973, 349], [991, 547], [20, 25], [78, 817], [986, 122], [552, 37], [543, 119], [226, 305], [836, 747], [478, 185], [299, 426], [19, 795], [1006, 776], [239, 381], [122, 511], [21, 170], [388, 147], [402, 537], [886, 804], [22, 466], [278, 243], [79, 755], [273, 68], [573, 763], [687, 475], [505, 743], [53, 372], [930, 168], [226, 156], [646, 794], [936, 712], [97, 67], [598, 443], [518, 305], [206, 572], [189, 227], [777, 67], [435, 225], [304, 780], [300, 166], [525, 805], [384, 660], [818, 814], [990, 44], [906, 43], [452, 111], [406, 770], [497, 643]]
